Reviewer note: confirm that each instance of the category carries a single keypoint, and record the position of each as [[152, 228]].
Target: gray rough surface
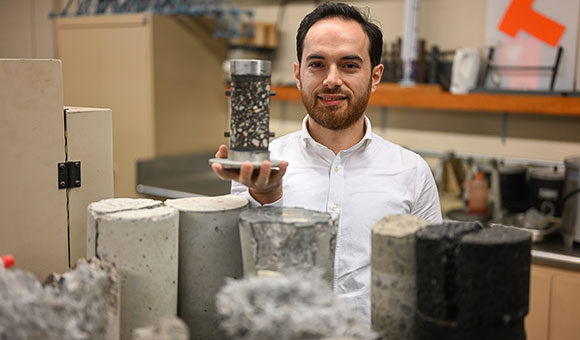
[[287, 239], [113, 292], [167, 328], [288, 307], [393, 287], [72, 308]]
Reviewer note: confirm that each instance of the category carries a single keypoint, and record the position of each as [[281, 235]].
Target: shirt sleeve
[[242, 191], [427, 205]]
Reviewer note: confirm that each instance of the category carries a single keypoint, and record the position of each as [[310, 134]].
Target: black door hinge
[[69, 175]]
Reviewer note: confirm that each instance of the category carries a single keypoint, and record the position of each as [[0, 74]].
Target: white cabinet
[[42, 224]]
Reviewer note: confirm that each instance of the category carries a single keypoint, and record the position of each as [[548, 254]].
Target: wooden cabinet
[[538, 319], [565, 306], [554, 304]]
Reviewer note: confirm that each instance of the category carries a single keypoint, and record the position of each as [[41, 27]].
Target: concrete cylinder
[[287, 239], [209, 252], [141, 238], [109, 206], [393, 287]]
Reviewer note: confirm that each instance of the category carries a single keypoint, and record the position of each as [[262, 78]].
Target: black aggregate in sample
[[250, 113]]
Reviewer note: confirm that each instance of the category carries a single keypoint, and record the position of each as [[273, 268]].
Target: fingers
[[222, 152], [225, 174], [264, 175], [260, 180], [263, 181], [219, 171], [277, 175]]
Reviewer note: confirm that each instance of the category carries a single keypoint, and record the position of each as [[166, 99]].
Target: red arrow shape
[[521, 16]]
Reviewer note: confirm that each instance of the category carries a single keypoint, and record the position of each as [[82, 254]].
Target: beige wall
[[448, 23], [161, 76], [25, 29]]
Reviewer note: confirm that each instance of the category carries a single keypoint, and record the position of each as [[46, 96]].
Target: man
[[337, 164]]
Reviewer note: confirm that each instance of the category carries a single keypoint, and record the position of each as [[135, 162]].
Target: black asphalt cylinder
[[493, 276], [472, 282]]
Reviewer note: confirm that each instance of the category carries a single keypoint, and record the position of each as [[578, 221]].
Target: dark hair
[[329, 10]]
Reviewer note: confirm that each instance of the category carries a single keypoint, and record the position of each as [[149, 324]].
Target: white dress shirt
[[361, 185]]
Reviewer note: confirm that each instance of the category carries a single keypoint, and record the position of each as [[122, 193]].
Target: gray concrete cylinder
[[393, 286], [287, 239], [141, 238], [109, 206], [209, 252]]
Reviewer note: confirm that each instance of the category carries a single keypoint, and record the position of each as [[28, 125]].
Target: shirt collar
[[367, 137]]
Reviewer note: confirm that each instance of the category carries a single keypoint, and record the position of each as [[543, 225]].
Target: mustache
[[331, 91]]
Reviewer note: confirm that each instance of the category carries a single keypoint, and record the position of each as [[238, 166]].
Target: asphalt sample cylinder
[[250, 109], [141, 238], [502, 291], [437, 329], [393, 283], [209, 252], [472, 282], [287, 240]]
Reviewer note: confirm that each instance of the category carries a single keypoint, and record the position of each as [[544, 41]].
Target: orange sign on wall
[[521, 16]]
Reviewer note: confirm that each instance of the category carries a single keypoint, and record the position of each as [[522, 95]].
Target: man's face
[[334, 77]]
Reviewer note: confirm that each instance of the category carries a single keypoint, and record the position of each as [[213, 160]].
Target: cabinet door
[[90, 141], [537, 320], [565, 308], [33, 225]]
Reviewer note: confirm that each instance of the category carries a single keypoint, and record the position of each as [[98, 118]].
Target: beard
[[336, 117]]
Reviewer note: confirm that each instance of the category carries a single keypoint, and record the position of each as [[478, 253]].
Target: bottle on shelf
[[478, 190]]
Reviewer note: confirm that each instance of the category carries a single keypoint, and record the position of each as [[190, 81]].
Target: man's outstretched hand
[[265, 187]]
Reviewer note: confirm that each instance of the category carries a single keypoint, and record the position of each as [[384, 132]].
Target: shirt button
[[333, 207], [336, 169]]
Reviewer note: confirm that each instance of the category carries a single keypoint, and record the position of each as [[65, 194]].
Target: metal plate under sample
[[252, 156], [231, 164]]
